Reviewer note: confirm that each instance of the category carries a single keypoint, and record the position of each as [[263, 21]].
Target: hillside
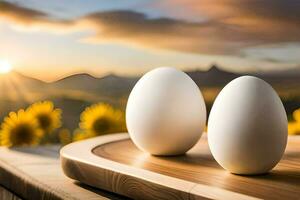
[[214, 77], [75, 92], [110, 85]]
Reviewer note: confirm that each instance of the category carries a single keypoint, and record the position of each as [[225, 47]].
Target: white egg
[[247, 127], [165, 113]]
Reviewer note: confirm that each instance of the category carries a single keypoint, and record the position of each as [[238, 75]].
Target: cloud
[[20, 14], [228, 25], [27, 19], [137, 29], [256, 21]]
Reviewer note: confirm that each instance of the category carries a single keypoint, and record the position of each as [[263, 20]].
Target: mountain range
[[74, 93], [114, 85]]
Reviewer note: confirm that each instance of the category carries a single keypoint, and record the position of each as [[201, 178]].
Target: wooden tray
[[113, 163]]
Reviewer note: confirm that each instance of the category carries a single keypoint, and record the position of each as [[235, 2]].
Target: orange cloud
[[254, 21], [135, 28]]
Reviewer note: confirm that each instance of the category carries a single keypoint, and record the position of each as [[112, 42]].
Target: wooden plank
[[115, 164], [199, 166], [7, 195], [110, 161], [35, 173]]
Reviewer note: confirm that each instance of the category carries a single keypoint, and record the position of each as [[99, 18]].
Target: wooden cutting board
[[113, 163]]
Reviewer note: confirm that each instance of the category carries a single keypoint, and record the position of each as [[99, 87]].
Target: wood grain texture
[[7, 195], [115, 164], [35, 173]]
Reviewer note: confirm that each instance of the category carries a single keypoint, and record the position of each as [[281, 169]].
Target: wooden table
[[35, 173], [114, 163]]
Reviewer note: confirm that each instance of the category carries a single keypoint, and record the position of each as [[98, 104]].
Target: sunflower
[[20, 129], [81, 135], [64, 136], [296, 115], [294, 126], [100, 119], [48, 117]]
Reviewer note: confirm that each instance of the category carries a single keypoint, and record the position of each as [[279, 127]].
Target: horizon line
[[93, 75]]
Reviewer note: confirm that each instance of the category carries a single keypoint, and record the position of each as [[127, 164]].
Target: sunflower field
[[41, 123]]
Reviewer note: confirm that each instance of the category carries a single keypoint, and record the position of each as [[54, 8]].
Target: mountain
[[118, 86], [110, 85], [74, 93], [213, 77], [16, 86], [113, 84], [115, 89], [20, 79], [288, 77]]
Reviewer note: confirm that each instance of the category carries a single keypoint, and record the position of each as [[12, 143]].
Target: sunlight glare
[[5, 67]]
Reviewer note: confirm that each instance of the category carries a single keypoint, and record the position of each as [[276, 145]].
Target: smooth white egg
[[165, 113], [247, 127]]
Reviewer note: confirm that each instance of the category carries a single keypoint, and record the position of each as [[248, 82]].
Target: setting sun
[[5, 67]]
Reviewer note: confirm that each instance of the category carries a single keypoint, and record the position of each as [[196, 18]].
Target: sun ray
[[22, 91]]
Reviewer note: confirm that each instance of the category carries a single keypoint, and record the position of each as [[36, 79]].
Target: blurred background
[[67, 67]]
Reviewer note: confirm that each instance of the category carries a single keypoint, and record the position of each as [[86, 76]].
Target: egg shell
[[247, 127], [165, 113]]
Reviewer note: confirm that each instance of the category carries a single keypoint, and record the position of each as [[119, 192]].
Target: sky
[[50, 39]]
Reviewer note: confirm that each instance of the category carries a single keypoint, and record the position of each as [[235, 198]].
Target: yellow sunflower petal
[[19, 129], [296, 115], [100, 119], [48, 117], [294, 128]]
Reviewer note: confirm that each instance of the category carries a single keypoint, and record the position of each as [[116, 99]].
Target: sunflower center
[[101, 125], [44, 121], [22, 134]]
